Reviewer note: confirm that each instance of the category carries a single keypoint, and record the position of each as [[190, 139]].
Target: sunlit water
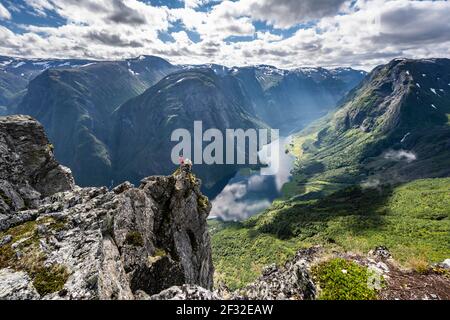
[[248, 194]]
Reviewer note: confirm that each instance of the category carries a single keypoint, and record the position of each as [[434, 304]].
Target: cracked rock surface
[[60, 241]]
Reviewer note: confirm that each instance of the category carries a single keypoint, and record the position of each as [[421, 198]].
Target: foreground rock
[[91, 243], [293, 281], [185, 292], [28, 170]]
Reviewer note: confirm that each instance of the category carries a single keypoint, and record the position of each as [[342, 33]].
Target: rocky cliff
[[60, 241], [28, 171]]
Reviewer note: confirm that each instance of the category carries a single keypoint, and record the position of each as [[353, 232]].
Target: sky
[[284, 33]]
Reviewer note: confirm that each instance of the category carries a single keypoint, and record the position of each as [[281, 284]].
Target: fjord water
[[249, 192]]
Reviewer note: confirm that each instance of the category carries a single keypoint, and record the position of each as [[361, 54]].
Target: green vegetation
[[353, 219], [240, 253], [160, 252], [340, 279], [202, 202], [50, 147], [46, 279], [134, 238], [50, 279]]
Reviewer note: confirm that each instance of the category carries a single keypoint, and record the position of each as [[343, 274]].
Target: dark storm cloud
[[126, 15], [286, 13], [113, 40]]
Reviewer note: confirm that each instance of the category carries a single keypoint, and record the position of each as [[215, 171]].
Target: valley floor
[[412, 220]]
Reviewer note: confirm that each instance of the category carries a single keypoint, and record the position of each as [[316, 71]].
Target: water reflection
[[249, 193]]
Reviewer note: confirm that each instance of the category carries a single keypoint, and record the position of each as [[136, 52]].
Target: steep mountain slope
[[12, 90], [144, 124], [393, 128], [75, 106], [15, 74], [290, 100]]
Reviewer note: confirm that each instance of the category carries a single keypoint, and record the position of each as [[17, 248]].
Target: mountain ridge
[[78, 104]]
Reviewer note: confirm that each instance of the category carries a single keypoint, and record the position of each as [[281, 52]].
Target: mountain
[[394, 127], [291, 99], [12, 90], [143, 125], [30, 68], [76, 101], [375, 172], [16, 73], [75, 106]]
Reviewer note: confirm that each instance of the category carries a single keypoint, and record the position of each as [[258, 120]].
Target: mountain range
[[109, 120], [369, 189]]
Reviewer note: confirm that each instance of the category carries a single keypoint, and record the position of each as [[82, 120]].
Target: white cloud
[[232, 204], [363, 35], [197, 3], [4, 13], [400, 155], [268, 37], [287, 13]]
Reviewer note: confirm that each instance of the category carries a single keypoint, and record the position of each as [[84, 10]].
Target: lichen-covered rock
[[16, 286], [112, 245], [380, 252], [91, 243], [293, 281], [185, 292]]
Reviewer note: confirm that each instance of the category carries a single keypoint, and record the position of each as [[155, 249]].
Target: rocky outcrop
[[91, 243], [185, 292], [28, 170], [293, 281], [16, 286]]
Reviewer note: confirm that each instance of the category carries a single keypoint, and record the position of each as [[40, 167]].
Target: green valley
[[372, 173], [412, 220]]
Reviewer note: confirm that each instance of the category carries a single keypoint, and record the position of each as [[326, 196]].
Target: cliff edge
[[60, 241]]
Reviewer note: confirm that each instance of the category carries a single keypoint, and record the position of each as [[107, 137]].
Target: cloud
[[371, 183], [287, 13], [232, 204], [4, 13], [267, 36], [413, 23], [400, 155], [357, 33], [114, 40], [197, 3], [124, 14]]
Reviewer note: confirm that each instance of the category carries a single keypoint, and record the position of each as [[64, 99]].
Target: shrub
[[419, 264], [202, 202], [134, 238], [50, 279], [340, 279]]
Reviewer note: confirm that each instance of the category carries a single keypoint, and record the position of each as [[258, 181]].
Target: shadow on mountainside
[[357, 209]]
